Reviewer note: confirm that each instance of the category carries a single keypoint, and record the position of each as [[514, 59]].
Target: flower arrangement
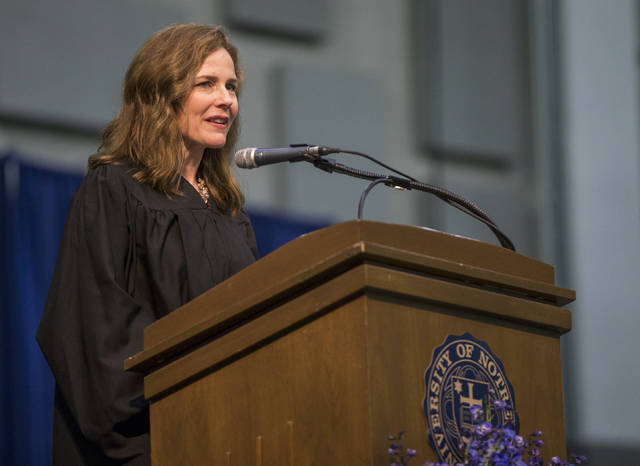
[[398, 455], [489, 445]]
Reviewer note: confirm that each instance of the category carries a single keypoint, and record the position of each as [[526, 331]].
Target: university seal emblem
[[463, 373]]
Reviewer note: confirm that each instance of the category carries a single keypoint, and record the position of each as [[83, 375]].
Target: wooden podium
[[316, 353]]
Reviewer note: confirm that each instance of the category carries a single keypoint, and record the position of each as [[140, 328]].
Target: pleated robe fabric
[[129, 255]]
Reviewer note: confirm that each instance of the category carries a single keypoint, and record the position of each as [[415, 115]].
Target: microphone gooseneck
[[253, 157]]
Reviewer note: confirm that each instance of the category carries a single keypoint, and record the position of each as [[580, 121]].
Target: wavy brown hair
[[145, 132]]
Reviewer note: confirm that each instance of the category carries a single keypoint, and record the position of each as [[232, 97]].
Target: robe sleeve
[[91, 323]]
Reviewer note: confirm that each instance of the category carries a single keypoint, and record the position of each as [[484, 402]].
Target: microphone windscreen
[[244, 158]]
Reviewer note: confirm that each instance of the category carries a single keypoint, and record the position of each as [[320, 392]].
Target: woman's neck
[[191, 166]]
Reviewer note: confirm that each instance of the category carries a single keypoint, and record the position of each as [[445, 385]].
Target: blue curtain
[[33, 206]]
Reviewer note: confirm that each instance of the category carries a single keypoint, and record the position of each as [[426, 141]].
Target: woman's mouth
[[218, 121]]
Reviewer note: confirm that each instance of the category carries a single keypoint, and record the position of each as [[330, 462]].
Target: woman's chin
[[216, 143]]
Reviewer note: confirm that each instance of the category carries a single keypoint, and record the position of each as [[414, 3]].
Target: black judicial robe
[[129, 255]]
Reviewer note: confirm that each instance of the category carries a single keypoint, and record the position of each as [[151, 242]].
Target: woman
[[156, 222]]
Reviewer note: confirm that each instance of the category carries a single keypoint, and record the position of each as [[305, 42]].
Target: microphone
[[253, 157]]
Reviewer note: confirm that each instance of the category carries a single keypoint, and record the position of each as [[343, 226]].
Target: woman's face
[[211, 106]]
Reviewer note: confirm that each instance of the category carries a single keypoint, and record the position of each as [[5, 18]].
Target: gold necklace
[[203, 191]]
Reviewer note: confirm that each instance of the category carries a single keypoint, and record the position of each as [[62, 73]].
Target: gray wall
[[600, 89], [478, 96]]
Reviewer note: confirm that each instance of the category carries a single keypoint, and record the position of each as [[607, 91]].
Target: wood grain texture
[[401, 340], [469, 274], [324, 354], [305, 395], [331, 391], [312, 254], [329, 295], [199, 321]]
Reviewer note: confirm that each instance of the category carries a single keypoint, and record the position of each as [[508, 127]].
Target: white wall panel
[[306, 19], [603, 179], [333, 107], [64, 61]]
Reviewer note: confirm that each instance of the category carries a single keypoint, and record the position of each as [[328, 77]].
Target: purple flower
[[499, 405], [486, 444], [476, 412], [411, 452], [513, 451], [578, 458], [483, 428]]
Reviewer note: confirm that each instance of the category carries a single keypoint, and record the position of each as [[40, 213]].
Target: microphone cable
[[409, 182]]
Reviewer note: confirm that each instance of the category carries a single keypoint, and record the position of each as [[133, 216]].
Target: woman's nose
[[224, 98]]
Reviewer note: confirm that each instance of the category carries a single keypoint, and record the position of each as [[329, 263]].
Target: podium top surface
[[334, 249], [331, 253]]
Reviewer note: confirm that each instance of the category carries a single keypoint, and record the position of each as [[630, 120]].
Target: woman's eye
[[232, 87], [204, 84]]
